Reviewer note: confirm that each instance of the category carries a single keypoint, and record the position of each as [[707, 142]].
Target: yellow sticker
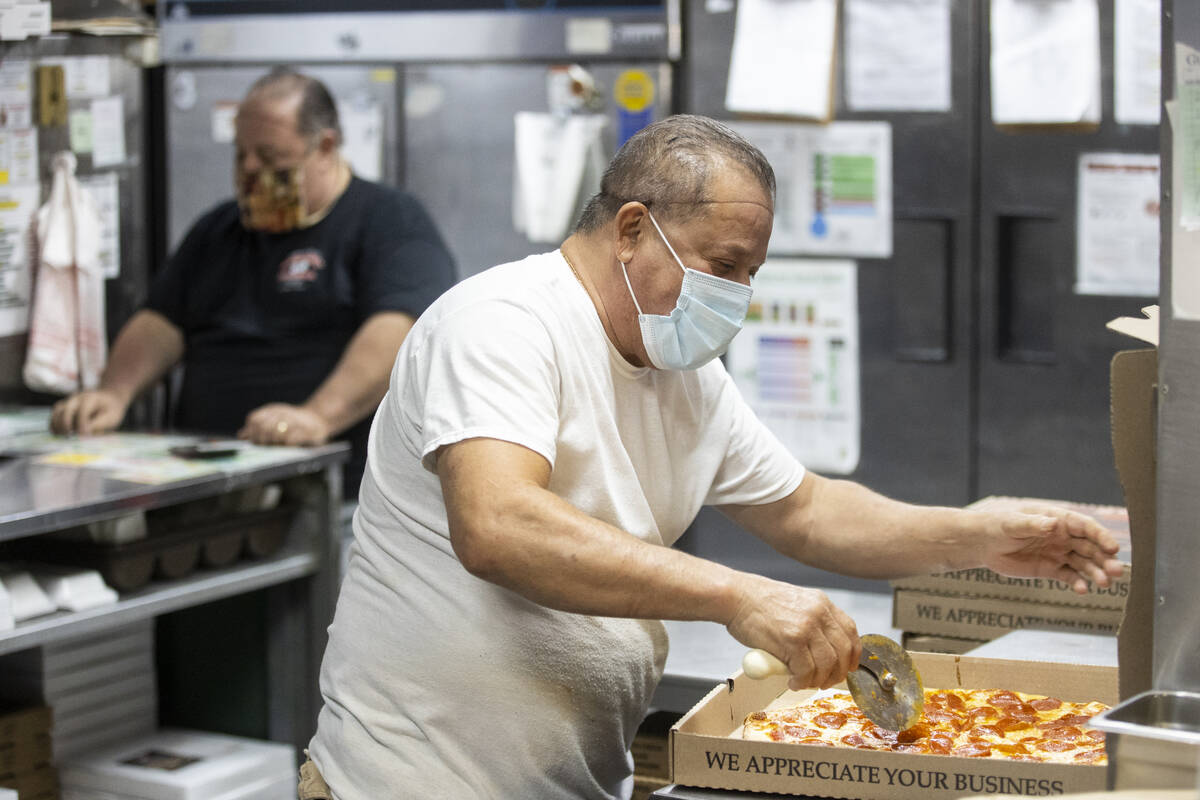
[[383, 75], [634, 90], [71, 459], [3, 176]]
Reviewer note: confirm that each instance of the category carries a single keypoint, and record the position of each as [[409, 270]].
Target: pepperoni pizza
[[983, 723]]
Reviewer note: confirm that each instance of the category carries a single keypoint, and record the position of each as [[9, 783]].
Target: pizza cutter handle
[[758, 664]]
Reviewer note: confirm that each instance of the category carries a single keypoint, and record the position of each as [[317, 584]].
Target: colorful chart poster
[[796, 360]]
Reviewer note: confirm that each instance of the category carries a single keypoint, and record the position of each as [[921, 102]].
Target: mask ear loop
[[678, 260], [625, 272]]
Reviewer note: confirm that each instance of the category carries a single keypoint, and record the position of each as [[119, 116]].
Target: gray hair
[[318, 112], [670, 163]]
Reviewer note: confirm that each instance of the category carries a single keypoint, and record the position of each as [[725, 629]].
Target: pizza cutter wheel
[[886, 685]]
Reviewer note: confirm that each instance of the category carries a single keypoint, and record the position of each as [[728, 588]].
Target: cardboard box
[[180, 765], [990, 617], [1133, 384], [707, 749], [982, 582], [926, 643]]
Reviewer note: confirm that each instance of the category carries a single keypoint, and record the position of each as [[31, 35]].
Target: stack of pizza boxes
[[954, 612]]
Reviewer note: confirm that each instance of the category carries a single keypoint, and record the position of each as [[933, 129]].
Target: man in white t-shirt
[[552, 426]]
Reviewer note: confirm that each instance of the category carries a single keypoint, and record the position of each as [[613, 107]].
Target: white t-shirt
[[438, 684]]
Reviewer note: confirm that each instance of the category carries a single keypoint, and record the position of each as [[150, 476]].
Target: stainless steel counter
[[50, 483], [36, 496]]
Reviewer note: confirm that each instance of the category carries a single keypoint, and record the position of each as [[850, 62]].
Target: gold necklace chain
[[574, 271], [600, 300]]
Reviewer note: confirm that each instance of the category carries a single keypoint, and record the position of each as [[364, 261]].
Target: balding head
[[669, 166], [314, 106]]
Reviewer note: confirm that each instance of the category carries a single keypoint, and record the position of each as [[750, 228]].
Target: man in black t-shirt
[[287, 305]]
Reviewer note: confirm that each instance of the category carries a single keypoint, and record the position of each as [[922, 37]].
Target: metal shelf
[[161, 597]]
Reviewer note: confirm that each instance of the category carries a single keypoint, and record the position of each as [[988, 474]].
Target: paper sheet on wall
[[84, 77], [556, 167], [362, 137], [104, 190], [898, 55], [1183, 114], [782, 58], [1033, 40], [1137, 61], [16, 93], [18, 204], [1117, 224], [18, 156], [108, 131], [796, 359], [834, 194]]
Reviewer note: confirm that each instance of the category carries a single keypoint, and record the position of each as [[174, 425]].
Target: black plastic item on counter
[[173, 554]]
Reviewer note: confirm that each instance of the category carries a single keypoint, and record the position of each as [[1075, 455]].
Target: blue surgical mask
[[706, 317]]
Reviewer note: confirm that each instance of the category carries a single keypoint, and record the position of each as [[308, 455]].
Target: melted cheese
[[973, 723]]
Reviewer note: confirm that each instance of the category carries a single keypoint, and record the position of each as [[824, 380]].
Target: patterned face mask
[[271, 200]]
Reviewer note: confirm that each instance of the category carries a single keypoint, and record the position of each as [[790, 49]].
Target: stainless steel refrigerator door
[[459, 146]]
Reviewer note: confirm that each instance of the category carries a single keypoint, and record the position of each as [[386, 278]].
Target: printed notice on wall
[[18, 204], [898, 55], [1137, 61], [781, 61], [1117, 225], [1184, 117], [796, 359], [834, 195], [1033, 39], [104, 189]]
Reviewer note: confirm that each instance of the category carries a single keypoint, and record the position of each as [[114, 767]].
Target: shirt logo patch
[[299, 269]]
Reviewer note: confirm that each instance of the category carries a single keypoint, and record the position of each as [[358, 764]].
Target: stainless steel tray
[[1153, 740]]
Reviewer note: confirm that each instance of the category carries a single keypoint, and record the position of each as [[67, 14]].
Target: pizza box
[[982, 582], [707, 749], [990, 617], [174, 764]]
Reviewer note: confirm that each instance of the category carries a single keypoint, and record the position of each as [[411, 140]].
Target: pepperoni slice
[[758, 716], [1055, 745], [1090, 756], [814, 740], [1011, 749], [854, 740], [940, 743], [1004, 698], [913, 734], [984, 731], [831, 719], [912, 747], [1065, 732], [1046, 703], [982, 713], [973, 750], [1007, 724], [1095, 736]]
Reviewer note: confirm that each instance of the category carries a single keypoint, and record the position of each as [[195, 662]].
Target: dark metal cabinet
[[982, 370], [1043, 426]]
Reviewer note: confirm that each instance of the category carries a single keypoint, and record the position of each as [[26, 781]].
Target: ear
[[327, 144], [629, 229]]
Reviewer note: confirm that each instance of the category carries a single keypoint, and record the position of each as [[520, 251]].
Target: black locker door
[[916, 315], [1043, 425], [915, 307]]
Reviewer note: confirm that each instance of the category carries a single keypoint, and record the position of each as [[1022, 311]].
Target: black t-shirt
[[266, 316]]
